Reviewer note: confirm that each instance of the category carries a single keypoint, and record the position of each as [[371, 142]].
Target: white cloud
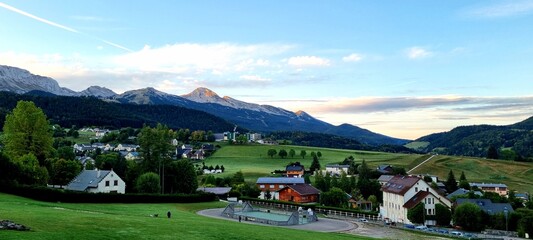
[[354, 57], [199, 58], [254, 78], [503, 9], [308, 61], [418, 53]]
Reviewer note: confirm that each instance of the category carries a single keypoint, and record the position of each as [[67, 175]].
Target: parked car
[[409, 226], [456, 233], [421, 227], [444, 231], [363, 220]]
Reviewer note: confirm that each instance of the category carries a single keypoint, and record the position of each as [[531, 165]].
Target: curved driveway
[[322, 225]]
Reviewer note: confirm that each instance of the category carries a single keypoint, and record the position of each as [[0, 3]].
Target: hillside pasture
[[517, 175], [254, 162], [133, 221]]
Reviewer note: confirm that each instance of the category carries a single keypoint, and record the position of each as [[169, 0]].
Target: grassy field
[[517, 175], [132, 221], [253, 161]]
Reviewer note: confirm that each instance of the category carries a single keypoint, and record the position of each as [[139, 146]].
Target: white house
[[336, 169], [132, 156], [97, 181], [127, 147], [402, 193]]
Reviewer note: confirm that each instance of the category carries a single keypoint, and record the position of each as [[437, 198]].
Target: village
[[420, 202]]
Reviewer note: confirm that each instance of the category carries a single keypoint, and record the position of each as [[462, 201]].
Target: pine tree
[[315, 165], [451, 183]]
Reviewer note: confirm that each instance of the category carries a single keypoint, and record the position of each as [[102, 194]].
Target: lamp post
[[505, 212]]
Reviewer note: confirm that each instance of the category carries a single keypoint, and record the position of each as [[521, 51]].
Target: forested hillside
[[90, 111], [333, 141], [512, 142]]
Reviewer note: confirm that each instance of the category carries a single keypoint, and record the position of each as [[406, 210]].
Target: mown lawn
[[132, 221]]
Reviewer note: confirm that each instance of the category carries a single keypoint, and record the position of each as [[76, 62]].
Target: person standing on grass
[[168, 214], [239, 218]]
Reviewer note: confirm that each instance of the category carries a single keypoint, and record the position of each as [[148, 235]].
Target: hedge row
[[312, 206], [58, 195]]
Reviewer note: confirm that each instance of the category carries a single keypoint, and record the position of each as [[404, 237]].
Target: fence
[[328, 212]]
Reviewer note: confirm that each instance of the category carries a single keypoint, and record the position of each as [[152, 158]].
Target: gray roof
[[461, 191], [487, 205], [87, 179], [215, 190], [294, 168], [385, 178], [479, 185], [282, 180]]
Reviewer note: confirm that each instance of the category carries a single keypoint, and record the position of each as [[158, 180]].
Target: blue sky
[[400, 68]]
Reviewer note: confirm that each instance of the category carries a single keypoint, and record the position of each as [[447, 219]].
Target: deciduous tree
[[26, 131], [148, 183]]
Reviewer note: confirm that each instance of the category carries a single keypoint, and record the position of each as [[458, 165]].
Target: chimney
[[97, 173]]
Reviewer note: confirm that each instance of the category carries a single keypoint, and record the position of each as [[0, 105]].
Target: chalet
[[98, 145], [97, 181], [109, 147], [186, 153], [295, 170], [498, 188], [253, 137], [336, 169], [385, 169], [299, 193], [402, 193], [101, 132], [273, 184], [487, 205]]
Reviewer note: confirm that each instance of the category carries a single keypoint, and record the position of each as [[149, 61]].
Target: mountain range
[[255, 117]]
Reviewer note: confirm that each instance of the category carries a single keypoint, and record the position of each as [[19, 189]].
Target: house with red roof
[[402, 193], [300, 193]]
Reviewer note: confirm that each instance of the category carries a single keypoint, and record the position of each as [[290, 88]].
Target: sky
[[400, 68]]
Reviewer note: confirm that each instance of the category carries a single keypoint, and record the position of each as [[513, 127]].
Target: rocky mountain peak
[[98, 91]]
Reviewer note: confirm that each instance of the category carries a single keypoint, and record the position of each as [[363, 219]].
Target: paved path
[[322, 225], [420, 164]]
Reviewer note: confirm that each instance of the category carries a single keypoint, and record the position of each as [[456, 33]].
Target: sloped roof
[[294, 168], [417, 198], [303, 189], [87, 179], [462, 191], [487, 205], [385, 178], [280, 180], [337, 166], [400, 184]]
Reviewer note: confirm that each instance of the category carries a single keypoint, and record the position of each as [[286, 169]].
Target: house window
[[107, 183], [115, 183], [261, 186], [281, 186], [271, 186], [416, 189]]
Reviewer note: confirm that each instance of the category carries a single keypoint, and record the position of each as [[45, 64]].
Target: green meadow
[[254, 162], [133, 221]]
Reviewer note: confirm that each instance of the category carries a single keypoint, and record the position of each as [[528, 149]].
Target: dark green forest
[[512, 142], [90, 111], [332, 141]]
